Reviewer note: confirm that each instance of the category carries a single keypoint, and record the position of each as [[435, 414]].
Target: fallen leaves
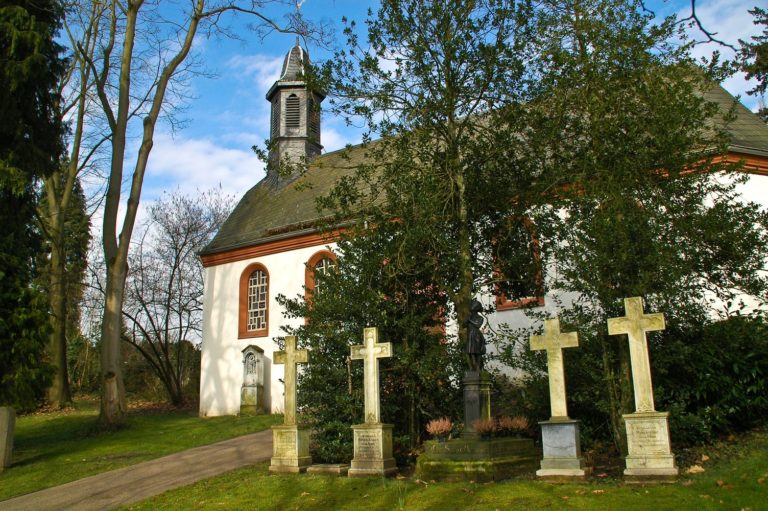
[[598, 492], [695, 469]]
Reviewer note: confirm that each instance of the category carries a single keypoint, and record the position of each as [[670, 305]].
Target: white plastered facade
[[221, 376]]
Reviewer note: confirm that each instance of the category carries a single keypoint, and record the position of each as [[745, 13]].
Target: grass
[[58, 447], [735, 478]]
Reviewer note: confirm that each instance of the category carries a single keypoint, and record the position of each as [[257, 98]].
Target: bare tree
[[141, 56], [87, 140], [163, 305]]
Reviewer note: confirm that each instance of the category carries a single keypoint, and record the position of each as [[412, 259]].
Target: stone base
[[373, 451], [7, 428], [562, 450], [470, 459], [252, 400], [330, 469], [290, 449], [650, 458], [477, 400]]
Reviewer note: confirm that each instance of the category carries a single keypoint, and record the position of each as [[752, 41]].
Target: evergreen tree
[[30, 147]]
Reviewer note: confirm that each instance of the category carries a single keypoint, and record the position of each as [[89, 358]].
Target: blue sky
[[228, 114]]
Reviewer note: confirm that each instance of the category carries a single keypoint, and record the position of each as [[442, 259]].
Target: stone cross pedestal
[[560, 434], [649, 453], [372, 440], [7, 427], [290, 443]]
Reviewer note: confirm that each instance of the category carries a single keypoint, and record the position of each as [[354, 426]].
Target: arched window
[[519, 279], [320, 263], [254, 302], [292, 111]]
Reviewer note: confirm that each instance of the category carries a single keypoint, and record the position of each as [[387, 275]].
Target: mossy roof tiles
[[267, 213]]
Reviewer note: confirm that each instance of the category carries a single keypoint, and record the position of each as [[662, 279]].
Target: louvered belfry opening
[[275, 117], [292, 112]]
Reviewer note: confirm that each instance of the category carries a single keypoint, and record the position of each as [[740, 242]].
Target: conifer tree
[[30, 147]]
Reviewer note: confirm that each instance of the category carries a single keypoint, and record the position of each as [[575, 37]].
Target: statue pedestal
[[477, 400], [650, 457], [462, 459], [562, 450], [290, 449], [373, 451]]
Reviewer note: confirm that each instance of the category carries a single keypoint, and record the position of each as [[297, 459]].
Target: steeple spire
[[295, 126]]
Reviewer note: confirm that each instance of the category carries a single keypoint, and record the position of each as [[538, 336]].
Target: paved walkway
[[138, 482]]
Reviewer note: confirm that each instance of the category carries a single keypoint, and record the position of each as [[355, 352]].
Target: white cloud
[[333, 139], [264, 69], [200, 164]]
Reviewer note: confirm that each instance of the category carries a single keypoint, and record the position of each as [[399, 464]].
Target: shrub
[[513, 425], [332, 443], [485, 427], [440, 427]]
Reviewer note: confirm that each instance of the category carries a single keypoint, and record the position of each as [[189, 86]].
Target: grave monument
[[252, 392], [649, 454], [372, 439], [290, 442], [560, 434], [472, 458], [477, 382]]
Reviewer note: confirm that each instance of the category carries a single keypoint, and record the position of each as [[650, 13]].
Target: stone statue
[[475, 339]]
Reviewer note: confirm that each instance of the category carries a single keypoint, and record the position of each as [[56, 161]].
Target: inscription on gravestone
[[648, 438], [369, 445], [286, 443]]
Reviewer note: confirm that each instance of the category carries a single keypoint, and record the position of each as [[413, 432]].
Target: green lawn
[[55, 448], [736, 478]]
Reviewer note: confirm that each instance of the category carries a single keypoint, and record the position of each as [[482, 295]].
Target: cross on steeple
[[554, 341], [635, 324], [291, 357], [370, 352]]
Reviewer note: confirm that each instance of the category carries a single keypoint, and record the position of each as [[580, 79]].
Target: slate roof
[[268, 213], [749, 133]]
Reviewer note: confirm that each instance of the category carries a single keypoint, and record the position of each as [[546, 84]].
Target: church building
[[271, 244]]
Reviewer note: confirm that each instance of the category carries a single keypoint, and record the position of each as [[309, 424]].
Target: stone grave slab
[[7, 429]]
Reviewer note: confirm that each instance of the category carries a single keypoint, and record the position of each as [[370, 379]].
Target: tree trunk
[[58, 393], [113, 406]]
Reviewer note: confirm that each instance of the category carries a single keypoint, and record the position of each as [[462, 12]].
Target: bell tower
[[295, 120]]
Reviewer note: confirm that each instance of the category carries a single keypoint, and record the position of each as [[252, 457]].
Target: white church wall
[[221, 376]]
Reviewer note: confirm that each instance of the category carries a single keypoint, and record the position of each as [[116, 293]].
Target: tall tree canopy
[[566, 144], [644, 208]]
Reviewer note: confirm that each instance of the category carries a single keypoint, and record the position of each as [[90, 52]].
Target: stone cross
[[635, 324], [370, 351], [554, 341], [291, 357]]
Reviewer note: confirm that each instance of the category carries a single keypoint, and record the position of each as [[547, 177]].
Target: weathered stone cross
[[291, 357], [635, 324], [370, 351], [554, 341]]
